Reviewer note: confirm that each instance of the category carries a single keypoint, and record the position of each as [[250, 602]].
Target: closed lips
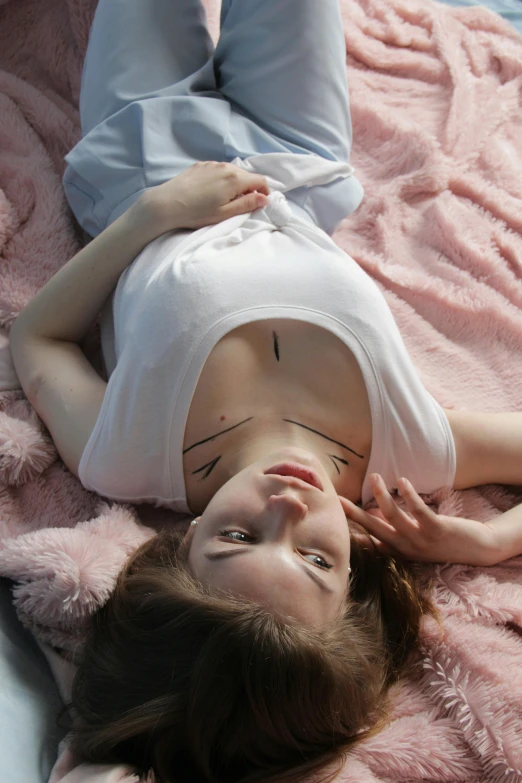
[[298, 471]]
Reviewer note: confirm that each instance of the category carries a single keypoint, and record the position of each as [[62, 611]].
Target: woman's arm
[[489, 451], [204, 194], [488, 446], [507, 532], [69, 303], [418, 533]]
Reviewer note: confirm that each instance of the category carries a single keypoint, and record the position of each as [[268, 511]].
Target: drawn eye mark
[[333, 457], [209, 465]]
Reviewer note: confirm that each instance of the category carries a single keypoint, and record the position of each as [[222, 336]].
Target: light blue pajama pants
[[156, 97]]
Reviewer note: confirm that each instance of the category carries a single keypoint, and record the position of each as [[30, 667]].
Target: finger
[[256, 182], [242, 181], [242, 204], [415, 504], [374, 525], [394, 515], [385, 549], [378, 527]]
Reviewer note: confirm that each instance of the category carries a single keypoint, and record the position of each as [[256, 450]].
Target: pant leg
[[138, 47], [134, 140], [283, 62]]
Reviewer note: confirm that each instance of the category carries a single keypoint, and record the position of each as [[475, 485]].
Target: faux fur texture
[[436, 100]]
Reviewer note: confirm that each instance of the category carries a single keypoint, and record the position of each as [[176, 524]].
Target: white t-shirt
[[187, 289]]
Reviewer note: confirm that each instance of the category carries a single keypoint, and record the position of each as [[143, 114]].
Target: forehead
[[276, 583]]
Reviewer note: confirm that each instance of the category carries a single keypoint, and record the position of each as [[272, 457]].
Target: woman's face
[[278, 541]]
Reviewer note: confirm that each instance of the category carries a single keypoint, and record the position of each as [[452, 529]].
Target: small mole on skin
[[223, 418]]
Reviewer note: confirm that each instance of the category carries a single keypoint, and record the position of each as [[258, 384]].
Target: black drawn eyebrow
[[338, 443], [211, 465], [212, 437]]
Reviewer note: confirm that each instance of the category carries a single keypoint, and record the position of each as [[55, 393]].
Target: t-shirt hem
[[450, 443]]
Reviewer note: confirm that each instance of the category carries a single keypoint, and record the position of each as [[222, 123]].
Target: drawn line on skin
[[276, 345], [334, 457], [338, 443], [217, 435], [212, 465]]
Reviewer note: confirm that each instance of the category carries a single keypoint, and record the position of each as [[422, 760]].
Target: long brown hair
[[205, 687]]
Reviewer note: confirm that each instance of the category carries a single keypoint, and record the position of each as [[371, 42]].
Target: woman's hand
[[422, 534], [206, 193]]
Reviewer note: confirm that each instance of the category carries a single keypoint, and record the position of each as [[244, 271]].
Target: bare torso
[[280, 368]]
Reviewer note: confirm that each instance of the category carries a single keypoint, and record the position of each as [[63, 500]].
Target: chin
[[297, 453]]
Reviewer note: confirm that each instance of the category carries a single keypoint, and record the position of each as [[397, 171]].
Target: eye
[[319, 561], [236, 535]]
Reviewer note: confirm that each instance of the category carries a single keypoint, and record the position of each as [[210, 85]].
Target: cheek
[[234, 492], [334, 535], [236, 504], [332, 524]]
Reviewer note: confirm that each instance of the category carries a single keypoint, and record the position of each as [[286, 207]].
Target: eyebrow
[[291, 421], [231, 552], [337, 442], [217, 434]]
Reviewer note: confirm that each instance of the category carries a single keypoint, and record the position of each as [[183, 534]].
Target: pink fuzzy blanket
[[436, 99]]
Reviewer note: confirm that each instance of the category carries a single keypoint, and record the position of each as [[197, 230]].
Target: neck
[[270, 435], [273, 438]]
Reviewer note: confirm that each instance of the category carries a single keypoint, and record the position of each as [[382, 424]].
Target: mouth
[[297, 471]]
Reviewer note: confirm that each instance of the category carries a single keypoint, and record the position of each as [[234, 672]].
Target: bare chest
[[280, 367]]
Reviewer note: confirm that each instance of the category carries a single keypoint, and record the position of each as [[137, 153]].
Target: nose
[[286, 508]]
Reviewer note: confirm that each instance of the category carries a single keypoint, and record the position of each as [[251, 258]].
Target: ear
[[191, 530]]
